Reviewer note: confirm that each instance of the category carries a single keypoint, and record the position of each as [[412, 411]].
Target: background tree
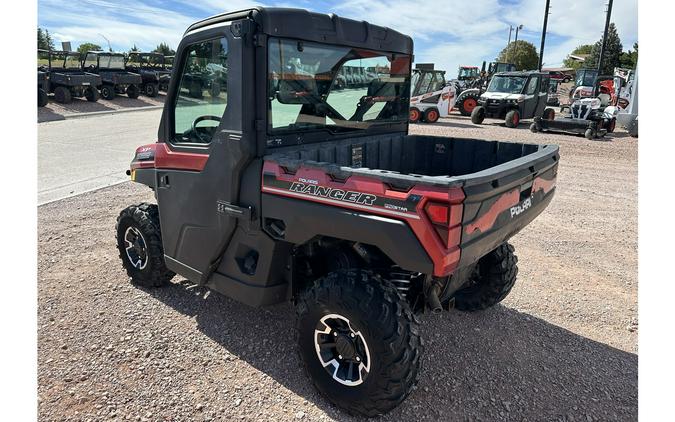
[[44, 39], [612, 57], [88, 46], [629, 59], [164, 49], [134, 49], [521, 53], [580, 50]]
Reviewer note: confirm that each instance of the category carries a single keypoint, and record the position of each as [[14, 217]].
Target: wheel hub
[[342, 350], [136, 248]]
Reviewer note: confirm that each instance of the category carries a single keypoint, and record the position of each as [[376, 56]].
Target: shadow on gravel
[[47, 115], [445, 123], [499, 364]]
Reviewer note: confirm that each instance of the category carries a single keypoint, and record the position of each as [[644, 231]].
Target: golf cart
[[285, 190], [431, 97], [114, 76], [151, 67], [591, 115], [468, 96], [43, 88], [514, 96], [66, 78]]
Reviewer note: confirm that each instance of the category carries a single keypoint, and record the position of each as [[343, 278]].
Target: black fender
[[304, 220]]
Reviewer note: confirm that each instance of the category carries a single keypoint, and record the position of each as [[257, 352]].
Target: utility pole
[[543, 34], [515, 42], [508, 43], [604, 36]]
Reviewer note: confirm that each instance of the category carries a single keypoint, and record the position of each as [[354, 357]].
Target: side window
[[90, 60], [202, 92], [532, 85], [543, 88]]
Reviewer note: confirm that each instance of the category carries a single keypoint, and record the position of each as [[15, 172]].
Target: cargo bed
[[504, 185]]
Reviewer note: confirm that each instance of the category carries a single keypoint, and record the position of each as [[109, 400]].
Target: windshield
[[318, 86], [586, 77], [507, 84], [152, 60], [467, 72], [72, 61], [109, 61]]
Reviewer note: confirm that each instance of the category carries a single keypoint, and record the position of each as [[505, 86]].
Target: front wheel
[[590, 134], [467, 103], [151, 90], [478, 115], [43, 99], [512, 118], [431, 115], [415, 115], [549, 114], [491, 282], [133, 91], [62, 95], [108, 92], [359, 341], [139, 242], [91, 94]]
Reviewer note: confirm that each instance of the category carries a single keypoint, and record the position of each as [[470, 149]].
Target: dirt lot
[[57, 111], [562, 346]]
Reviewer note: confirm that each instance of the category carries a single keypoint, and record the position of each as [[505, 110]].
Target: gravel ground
[[562, 346], [57, 111]]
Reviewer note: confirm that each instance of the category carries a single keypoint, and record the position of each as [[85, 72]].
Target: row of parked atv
[[595, 101], [69, 74]]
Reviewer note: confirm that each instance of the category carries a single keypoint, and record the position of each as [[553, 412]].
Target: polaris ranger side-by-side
[[281, 188], [66, 78], [514, 96], [150, 66], [115, 78]]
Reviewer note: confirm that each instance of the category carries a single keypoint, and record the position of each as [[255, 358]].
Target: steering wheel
[[202, 137]]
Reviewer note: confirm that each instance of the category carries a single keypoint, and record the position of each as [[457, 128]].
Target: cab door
[[204, 149], [531, 97]]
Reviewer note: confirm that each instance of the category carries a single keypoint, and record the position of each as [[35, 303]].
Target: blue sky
[[461, 32]]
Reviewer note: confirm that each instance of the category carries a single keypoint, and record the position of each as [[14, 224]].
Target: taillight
[[446, 220]]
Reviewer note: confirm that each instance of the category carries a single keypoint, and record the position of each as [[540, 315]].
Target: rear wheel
[[139, 242], [534, 128], [214, 91], [43, 99], [62, 95], [415, 115], [91, 94], [478, 115], [549, 114], [491, 282], [151, 90], [590, 134], [133, 91], [431, 115], [512, 118], [108, 92], [359, 341], [467, 103]]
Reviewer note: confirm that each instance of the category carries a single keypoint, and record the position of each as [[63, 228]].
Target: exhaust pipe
[[433, 289]]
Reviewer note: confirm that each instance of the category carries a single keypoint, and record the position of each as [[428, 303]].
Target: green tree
[[164, 49], [44, 40], [134, 49], [521, 53], [580, 50], [629, 59], [612, 56], [88, 46]]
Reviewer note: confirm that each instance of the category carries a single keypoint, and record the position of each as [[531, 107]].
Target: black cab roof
[[318, 27]]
